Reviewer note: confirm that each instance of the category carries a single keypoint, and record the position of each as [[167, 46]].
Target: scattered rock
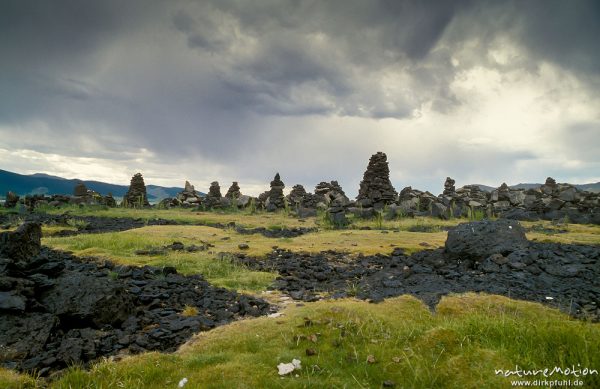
[[287, 368], [57, 310], [474, 260]]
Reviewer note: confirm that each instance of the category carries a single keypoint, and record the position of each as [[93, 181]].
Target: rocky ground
[[58, 310], [492, 257]]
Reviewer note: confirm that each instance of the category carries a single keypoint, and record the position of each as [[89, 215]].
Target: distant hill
[[41, 183], [594, 187]]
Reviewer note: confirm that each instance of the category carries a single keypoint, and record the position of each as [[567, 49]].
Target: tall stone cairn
[[549, 186], [136, 195], [213, 198], [234, 191], [276, 200], [376, 189]]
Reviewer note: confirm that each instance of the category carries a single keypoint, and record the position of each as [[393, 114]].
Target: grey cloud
[[335, 49], [206, 79]]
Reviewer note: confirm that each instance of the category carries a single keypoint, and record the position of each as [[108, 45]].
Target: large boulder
[[22, 244], [479, 240], [88, 300]]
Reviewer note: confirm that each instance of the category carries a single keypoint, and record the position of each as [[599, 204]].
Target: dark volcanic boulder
[[479, 240], [25, 334], [88, 300], [23, 243]]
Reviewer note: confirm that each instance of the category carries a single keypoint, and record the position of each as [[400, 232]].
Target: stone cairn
[[550, 201], [12, 200], [329, 192], [82, 195], [213, 198], [136, 195], [80, 190], [109, 200], [189, 196], [235, 197], [449, 188], [376, 189], [275, 200], [297, 196], [302, 202], [234, 191]]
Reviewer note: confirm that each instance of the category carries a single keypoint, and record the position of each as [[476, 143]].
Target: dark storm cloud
[[320, 57], [183, 78]]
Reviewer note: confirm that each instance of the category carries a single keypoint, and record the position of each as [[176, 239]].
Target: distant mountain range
[[595, 187], [40, 183]]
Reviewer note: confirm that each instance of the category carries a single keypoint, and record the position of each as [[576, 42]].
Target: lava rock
[[479, 240], [22, 244]]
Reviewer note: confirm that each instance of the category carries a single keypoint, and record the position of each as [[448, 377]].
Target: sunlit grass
[[120, 247], [575, 233], [357, 344], [188, 215]]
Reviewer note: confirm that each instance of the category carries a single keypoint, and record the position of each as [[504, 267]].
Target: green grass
[[575, 233], [460, 346], [243, 218], [120, 247]]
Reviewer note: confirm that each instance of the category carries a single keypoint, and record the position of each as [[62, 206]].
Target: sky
[[234, 90]]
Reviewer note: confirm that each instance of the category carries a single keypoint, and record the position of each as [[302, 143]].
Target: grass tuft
[[357, 344]]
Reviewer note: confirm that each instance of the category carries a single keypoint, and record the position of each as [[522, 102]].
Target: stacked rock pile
[[234, 191], [327, 193], [136, 196], [213, 199], [376, 189], [275, 200], [189, 196]]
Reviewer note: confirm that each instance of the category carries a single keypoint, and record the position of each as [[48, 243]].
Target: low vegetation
[[354, 344], [351, 343]]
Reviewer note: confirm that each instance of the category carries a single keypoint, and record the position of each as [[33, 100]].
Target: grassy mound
[[357, 344]]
